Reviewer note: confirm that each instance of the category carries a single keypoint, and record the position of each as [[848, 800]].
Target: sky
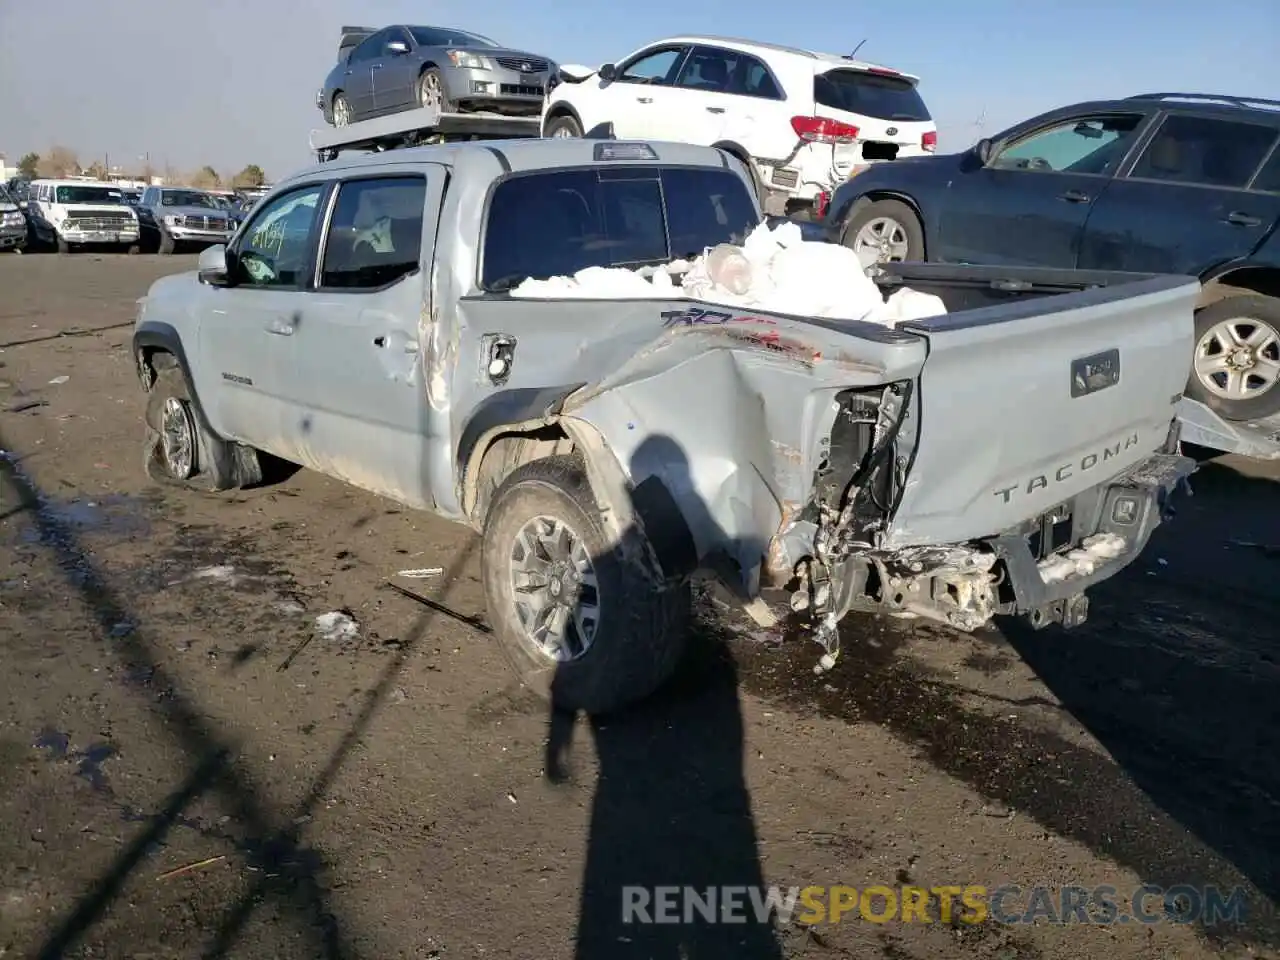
[[232, 82]]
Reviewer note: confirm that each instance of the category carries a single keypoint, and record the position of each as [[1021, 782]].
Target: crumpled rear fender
[[723, 437]]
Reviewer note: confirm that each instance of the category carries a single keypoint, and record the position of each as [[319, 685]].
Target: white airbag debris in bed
[[774, 270]]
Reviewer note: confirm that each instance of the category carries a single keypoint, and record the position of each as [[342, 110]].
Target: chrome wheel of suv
[[1239, 358], [882, 240]]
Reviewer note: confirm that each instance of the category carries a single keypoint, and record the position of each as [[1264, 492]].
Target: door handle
[[715, 109], [644, 99], [1075, 196], [281, 328], [1236, 218]]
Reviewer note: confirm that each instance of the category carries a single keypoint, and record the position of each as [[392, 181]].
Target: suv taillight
[[823, 130], [820, 204], [930, 141]]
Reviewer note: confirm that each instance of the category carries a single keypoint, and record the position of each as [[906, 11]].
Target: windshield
[[870, 95], [19, 190], [5, 195], [187, 198], [442, 37], [87, 195]]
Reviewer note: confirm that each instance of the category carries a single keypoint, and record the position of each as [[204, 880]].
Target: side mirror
[[983, 151], [608, 73], [213, 267], [398, 48]]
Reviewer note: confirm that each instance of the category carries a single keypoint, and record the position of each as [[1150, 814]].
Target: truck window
[[88, 195], [274, 252], [375, 235], [1205, 150], [557, 223], [870, 95]]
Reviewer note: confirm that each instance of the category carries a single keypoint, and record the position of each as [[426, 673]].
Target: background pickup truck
[[999, 459]]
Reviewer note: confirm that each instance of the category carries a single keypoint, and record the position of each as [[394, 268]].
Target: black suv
[[1157, 183]]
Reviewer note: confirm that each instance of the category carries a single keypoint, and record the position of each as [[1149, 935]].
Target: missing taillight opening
[[823, 130]]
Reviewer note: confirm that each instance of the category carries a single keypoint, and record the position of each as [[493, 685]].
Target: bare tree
[[96, 170]]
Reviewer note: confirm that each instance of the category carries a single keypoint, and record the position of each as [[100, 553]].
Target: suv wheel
[[1236, 367], [885, 231], [180, 449], [579, 623], [564, 128]]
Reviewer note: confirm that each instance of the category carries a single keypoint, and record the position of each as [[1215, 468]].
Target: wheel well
[[561, 110], [151, 360], [496, 456], [336, 95], [1234, 283]]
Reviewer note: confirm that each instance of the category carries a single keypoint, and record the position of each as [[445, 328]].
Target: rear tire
[[564, 127], [179, 448], [1235, 369], [623, 637], [884, 231]]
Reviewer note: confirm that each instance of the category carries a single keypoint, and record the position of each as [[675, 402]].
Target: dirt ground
[[393, 794]]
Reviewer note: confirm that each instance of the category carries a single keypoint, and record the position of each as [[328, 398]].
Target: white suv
[[803, 122]]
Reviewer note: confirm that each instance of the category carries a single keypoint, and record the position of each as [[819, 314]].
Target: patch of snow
[[774, 269], [1083, 560], [423, 573], [336, 625]]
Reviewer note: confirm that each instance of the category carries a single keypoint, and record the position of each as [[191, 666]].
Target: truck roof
[[529, 154]]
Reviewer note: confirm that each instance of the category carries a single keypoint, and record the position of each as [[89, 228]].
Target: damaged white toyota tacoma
[[374, 320]]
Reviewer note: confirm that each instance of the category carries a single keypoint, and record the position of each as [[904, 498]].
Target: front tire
[[61, 244], [179, 449], [564, 127], [341, 112], [885, 231], [166, 244], [432, 91], [580, 624], [1235, 370]]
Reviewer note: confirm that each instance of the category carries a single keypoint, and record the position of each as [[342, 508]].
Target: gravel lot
[[393, 794]]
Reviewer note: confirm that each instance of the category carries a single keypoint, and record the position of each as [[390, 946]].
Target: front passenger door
[[247, 329], [639, 101], [1028, 205]]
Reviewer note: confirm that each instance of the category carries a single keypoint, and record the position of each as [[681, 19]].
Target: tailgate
[[1025, 404]]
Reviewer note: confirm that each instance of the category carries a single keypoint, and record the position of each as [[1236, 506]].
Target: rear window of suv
[[871, 95], [559, 222]]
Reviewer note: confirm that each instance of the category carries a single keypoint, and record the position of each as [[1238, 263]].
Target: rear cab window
[[877, 95], [555, 223]]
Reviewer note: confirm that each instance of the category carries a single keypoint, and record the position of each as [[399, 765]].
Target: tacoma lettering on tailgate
[[1065, 472]]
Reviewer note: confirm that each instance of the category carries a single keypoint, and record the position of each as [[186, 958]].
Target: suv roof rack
[[1247, 102], [412, 128]]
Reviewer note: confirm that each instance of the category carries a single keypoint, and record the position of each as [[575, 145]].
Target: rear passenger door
[[1186, 206], [723, 95], [357, 397]]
